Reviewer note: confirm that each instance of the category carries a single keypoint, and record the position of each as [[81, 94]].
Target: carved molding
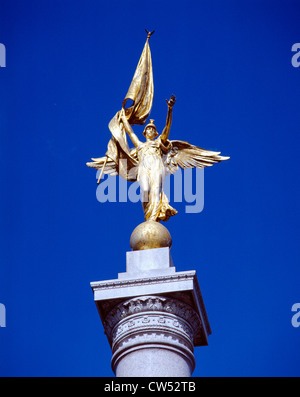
[[111, 284], [148, 304], [112, 289], [152, 330], [152, 321], [166, 325]]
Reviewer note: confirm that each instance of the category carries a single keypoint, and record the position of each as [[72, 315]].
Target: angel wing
[[124, 168], [110, 166], [183, 154]]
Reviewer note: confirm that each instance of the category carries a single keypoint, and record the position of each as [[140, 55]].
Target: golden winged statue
[[149, 161]]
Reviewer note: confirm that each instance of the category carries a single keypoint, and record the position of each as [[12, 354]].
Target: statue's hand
[[171, 102]]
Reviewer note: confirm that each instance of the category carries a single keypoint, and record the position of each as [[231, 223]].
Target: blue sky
[[68, 67]]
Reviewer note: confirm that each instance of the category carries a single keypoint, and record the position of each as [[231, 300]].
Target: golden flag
[[141, 89], [141, 93]]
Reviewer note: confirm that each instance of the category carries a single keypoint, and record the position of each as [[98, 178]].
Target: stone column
[[152, 336], [153, 316]]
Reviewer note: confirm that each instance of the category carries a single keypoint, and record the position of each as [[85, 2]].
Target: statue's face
[[150, 133]]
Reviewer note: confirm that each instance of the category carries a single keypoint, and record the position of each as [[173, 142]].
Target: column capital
[[156, 325]]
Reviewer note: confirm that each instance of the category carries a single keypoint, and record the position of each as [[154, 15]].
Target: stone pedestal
[[153, 316]]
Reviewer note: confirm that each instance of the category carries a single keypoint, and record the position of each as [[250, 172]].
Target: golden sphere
[[149, 235]]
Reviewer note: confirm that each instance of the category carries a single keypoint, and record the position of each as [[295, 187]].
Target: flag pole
[[101, 173]]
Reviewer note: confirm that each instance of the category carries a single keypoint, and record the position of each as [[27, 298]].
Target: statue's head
[[150, 130]]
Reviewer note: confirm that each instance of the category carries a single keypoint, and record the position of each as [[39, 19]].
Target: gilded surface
[[151, 160], [149, 235]]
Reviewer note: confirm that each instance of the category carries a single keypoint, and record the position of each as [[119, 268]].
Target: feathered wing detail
[[183, 154], [129, 169], [110, 167]]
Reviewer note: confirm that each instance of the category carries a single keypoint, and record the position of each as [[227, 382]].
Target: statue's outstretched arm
[[129, 130], [165, 134]]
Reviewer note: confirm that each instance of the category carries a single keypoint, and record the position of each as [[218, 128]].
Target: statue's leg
[[155, 196], [145, 189]]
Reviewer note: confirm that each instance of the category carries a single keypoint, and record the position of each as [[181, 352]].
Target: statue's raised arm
[[165, 134], [134, 139]]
